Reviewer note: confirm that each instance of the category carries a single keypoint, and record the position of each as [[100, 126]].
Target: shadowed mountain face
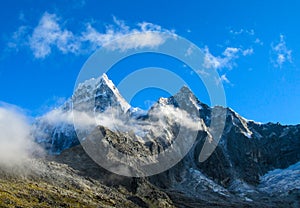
[[249, 150], [232, 176]]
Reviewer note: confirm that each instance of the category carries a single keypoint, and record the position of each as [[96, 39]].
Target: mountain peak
[[100, 91], [103, 79], [106, 94], [185, 94], [185, 90], [93, 82], [104, 76]]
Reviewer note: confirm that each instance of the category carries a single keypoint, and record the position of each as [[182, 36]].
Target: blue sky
[[254, 45]]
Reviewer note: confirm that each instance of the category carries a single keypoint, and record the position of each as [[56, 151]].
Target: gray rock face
[[246, 152], [54, 134], [55, 130], [249, 150]]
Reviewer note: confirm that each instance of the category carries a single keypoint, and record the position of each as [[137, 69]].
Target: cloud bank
[[160, 120], [16, 143], [51, 34]]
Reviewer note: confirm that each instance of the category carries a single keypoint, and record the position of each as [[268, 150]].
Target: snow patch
[[280, 181]]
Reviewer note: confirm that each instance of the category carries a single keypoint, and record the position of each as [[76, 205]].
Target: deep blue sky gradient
[[257, 90]]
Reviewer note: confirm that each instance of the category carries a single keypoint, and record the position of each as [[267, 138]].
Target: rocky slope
[[236, 174], [72, 179], [62, 181]]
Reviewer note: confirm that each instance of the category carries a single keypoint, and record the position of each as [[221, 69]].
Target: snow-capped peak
[[100, 91], [186, 97], [106, 81], [185, 90], [93, 82]]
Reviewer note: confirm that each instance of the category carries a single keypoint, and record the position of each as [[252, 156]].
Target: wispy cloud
[[159, 121], [280, 54], [227, 59], [17, 38], [216, 62], [140, 36], [50, 34], [189, 51], [248, 52], [245, 35], [223, 80], [258, 41], [16, 143], [242, 31]]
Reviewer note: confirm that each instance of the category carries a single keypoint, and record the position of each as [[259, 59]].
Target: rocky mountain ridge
[[236, 171]]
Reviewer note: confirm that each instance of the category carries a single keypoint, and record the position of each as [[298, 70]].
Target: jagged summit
[[101, 93], [245, 152], [185, 90], [93, 81], [180, 99]]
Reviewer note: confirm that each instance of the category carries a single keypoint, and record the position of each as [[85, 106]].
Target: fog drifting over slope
[[16, 143]]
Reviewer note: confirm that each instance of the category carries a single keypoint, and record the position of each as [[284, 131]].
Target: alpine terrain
[[253, 164]]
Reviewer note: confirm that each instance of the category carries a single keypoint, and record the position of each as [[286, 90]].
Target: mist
[[160, 120], [17, 146]]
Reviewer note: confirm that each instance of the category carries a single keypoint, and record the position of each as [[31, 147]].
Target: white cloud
[[211, 60], [245, 35], [140, 37], [203, 72], [16, 143], [50, 34], [258, 41], [248, 52], [47, 34], [146, 26], [60, 117], [242, 31], [137, 40], [189, 51], [224, 78], [280, 53], [227, 60], [231, 52], [17, 38], [160, 119]]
